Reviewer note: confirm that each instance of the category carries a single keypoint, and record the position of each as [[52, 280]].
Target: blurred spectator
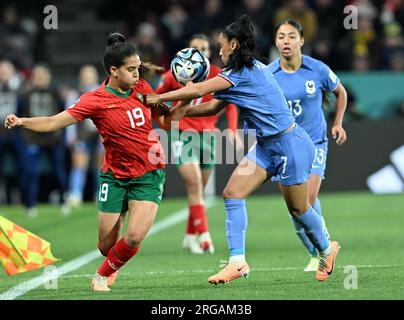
[[397, 62], [298, 10], [366, 9], [179, 27], [9, 84], [147, 43], [399, 13], [40, 99], [213, 16], [360, 63], [330, 18], [86, 148], [393, 51], [261, 12], [365, 43], [17, 38], [389, 8]]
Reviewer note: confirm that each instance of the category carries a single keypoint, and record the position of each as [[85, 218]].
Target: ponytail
[[243, 31]]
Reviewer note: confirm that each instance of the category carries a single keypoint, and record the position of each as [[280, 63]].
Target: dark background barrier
[[367, 150]]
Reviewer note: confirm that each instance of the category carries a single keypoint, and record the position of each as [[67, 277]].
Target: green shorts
[[193, 147], [114, 193]]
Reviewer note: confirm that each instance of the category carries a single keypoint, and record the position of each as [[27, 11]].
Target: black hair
[[243, 31], [118, 49], [293, 23]]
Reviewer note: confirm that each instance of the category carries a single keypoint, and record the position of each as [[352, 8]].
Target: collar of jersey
[[126, 94], [302, 66]]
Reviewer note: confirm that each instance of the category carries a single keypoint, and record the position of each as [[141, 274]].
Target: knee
[[229, 193], [193, 187], [298, 211], [133, 239]]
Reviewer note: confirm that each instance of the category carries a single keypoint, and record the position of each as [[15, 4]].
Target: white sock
[[326, 252], [191, 236], [237, 259]]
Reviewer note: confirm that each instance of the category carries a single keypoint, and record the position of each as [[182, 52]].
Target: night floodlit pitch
[[369, 228]]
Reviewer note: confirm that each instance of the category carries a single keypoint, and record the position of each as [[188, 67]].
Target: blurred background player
[[40, 99], [9, 144], [195, 169], [84, 140], [305, 82]]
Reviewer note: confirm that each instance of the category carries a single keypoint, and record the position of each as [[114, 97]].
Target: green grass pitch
[[368, 227]]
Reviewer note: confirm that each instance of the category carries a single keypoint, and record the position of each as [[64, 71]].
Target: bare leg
[[109, 229]]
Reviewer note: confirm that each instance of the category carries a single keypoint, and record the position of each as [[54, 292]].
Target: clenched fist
[[12, 121]]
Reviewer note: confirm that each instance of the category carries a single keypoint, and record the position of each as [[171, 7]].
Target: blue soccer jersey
[[259, 98], [303, 92]]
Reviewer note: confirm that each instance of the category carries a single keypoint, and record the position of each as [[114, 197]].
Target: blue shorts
[[320, 159], [288, 157]]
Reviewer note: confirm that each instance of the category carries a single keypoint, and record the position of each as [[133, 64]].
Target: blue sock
[[317, 207], [301, 233], [313, 226], [77, 180], [236, 225]]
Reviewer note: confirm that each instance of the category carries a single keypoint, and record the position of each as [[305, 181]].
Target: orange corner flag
[[21, 250]]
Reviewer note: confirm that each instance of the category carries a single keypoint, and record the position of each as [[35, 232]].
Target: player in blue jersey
[[306, 83], [283, 148]]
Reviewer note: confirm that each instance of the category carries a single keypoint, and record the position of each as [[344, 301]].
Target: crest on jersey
[[310, 87], [140, 96]]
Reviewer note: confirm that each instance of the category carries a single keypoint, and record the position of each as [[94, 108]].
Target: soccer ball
[[190, 64]]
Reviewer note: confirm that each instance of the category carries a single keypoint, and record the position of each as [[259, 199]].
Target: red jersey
[[132, 147], [168, 83]]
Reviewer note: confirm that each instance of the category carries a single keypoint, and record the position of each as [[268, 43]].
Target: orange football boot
[[230, 272], [327, 264]]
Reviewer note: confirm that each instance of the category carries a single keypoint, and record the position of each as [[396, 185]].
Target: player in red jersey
[[196, 169], [132, 175]]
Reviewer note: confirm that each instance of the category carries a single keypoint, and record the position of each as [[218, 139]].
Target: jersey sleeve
[[144, 87], [166, 83], [82, 108], [233, 77], [329, 79]]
